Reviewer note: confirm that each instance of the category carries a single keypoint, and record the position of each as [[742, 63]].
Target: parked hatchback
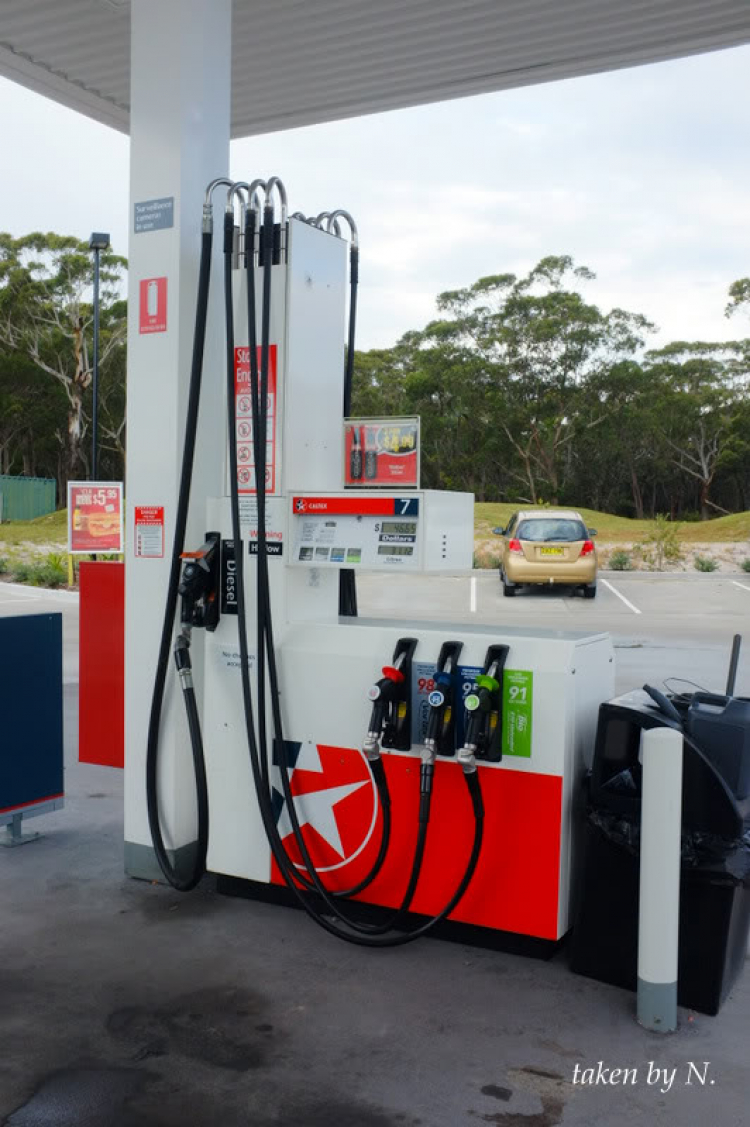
[[545, 546]]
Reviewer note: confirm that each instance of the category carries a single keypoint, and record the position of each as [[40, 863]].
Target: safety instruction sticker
[[148, 541], [246, 478], [518, 696]]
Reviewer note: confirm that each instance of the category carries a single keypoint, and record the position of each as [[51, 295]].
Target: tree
[[45, 280], [699, 396], [539, 345]]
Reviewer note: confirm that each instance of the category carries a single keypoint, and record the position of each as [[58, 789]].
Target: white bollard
[[659, 901]]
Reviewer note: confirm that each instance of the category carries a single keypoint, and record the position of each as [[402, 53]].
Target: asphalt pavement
[[662, 625], [127, 1004]]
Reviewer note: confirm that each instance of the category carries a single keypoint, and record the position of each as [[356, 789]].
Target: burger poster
[[94, 517], [381, 453]]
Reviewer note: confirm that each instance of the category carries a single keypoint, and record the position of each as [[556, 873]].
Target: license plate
[[552, 551]]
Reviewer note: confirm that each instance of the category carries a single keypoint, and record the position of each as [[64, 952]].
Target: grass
[[51, 529], [622, 529]]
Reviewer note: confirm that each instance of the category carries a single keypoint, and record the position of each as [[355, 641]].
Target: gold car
[[548, 546]]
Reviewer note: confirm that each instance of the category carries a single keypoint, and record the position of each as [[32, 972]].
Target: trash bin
[[715, 872]]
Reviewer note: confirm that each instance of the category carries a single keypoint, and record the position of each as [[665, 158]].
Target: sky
[[642, 175]]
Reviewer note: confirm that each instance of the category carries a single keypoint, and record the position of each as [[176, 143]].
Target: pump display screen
[[354, 530], [399, 527], [395, 549]]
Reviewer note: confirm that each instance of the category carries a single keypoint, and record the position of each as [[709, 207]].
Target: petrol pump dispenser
[[443, 788]]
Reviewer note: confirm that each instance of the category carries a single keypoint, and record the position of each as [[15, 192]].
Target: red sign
[[94, 517], [244, 420], [356, 506], [148, 539], [153, 305]]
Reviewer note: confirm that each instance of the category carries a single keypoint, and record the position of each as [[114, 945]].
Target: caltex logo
[[335, 800], [300, 505]]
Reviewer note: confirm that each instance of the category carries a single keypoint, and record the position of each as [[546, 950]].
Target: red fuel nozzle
[[392, 674]]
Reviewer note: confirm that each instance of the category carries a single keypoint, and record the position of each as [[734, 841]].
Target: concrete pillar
[[659, 900], [179, 129]]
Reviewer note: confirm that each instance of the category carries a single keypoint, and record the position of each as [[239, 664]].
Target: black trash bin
[[715, 874]]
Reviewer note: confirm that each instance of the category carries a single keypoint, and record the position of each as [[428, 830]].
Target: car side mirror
[[593, 532], [498, 531]]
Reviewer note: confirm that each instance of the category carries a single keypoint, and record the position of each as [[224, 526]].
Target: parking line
[[627, 602], [473, 595], [742, 586]]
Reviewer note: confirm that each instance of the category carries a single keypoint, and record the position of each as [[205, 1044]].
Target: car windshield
[[543, 529]]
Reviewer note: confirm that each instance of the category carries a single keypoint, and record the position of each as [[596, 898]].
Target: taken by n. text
[[691, 1073]]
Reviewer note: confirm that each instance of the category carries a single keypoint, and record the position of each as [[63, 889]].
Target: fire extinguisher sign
[[153, 305]]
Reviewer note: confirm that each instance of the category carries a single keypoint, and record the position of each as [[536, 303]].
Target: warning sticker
[[246, 478], [518, 697], [148, 542], [153, 305]]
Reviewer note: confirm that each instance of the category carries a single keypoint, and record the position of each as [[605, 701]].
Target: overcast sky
[[643, 175]]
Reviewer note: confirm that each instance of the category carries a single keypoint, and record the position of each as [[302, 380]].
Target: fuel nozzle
[[390, 717], [439, 739], [484, 713], [199, 585]]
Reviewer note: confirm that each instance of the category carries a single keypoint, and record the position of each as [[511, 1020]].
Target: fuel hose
[[190, 879], [360, 935]]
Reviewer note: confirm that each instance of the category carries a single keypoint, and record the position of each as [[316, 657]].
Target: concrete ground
[[124, 1004]]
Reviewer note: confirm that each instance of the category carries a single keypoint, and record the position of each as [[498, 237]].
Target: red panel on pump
[[101, 722], [516, 884]]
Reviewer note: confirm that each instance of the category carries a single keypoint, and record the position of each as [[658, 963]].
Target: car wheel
[[590, 592], [509, 589]]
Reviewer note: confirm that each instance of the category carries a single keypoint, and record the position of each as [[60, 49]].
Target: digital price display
[[399, 528], [395, 549]]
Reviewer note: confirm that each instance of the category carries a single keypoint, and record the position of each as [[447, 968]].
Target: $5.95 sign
[[95, 517]]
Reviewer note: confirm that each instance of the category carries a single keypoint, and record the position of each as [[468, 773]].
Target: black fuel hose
[[348, 576], [198, 864], [359, 935], [264, 614], [264, 619]]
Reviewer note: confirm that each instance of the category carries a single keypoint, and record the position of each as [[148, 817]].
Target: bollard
[[659, 901]]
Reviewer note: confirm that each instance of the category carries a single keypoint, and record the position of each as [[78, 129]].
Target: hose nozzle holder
[[484, 712]]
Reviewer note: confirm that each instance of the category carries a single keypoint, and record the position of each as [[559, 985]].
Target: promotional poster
[[381, 453]]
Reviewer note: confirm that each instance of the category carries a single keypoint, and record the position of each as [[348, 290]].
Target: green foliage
[[661, 546], [51, 571], [527, 390], [4, 566], [745, 565], [705, 563], [620, 560], [45, 357]]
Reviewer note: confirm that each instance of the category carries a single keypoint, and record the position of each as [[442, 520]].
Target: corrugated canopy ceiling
[[296, 62]]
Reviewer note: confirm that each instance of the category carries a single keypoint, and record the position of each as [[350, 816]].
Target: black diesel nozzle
[[440, 737], [391, 703], [484, 713], [199, 585]]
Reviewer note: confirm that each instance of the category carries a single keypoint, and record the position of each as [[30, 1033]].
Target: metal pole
[[659, 902], [95, 408]]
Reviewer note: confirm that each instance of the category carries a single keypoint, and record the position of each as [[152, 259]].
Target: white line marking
[[742, 586], [473, 595], [614, 591]]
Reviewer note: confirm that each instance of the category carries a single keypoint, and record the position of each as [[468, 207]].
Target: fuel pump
[[390, 721], [312, 785]]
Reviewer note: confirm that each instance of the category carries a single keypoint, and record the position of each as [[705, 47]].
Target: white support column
[[659, 900], [179, 121]]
